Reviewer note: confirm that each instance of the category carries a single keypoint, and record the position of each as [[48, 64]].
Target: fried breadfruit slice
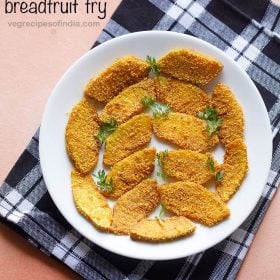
[[231, 113], [128, 103], [180, 96], [82, 147], [165, 230], [185, 131], [235, 168], [190, 66], [187, 165], [134, 206], [123, 73], [89, 202], [128, 138], [236, 154], [193, 201], [130, 171]]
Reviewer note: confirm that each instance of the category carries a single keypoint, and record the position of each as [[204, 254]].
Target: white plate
[[56, 166]]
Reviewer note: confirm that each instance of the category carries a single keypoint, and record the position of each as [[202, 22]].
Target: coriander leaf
[[219, 176], [103, 184], [161, 214], [161, 110], [110, 126], [213, 122], [161, 211], [148, 102], [106, 129], [155, 69], [210, 114], [210, 164], [162, 159], [101, 136], [158, 109]]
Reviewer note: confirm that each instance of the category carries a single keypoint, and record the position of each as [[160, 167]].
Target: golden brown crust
[[134, 206], [230, 112], [181, 97], [165, 230], [236, 154], [187, 165], [231, 182], [128, 103], [235, 168], [193, 201], [127, 139], [185, 131], [89, 202], [190, 66], [82, 147], [130, 171], [123, 73], [121, 87]]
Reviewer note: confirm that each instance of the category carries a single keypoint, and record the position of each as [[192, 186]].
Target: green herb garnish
[[158, 110], [101, 136], [103, 184], [162, 159], [106, 129], [161, 214], [210, 116], [155, 69], [219, 176], [210, 164]]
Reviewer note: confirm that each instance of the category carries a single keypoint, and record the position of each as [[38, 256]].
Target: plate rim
[[73, 66]]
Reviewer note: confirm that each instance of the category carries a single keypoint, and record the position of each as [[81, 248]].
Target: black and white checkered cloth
[[247, 31]]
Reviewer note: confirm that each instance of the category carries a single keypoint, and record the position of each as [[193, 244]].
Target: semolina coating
[[130, 171], [134, 206], [128, 138], [236, 154], [165, 230], [185, 131], [187, 165], [193, 201], [182, 97], [231, 113], [190, 66], [231, 182], [235, 168], [82, 147], [123, 73], [89, 202], [128, 103]]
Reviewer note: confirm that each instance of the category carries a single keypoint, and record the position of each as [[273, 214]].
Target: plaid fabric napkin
[[250, 34]]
